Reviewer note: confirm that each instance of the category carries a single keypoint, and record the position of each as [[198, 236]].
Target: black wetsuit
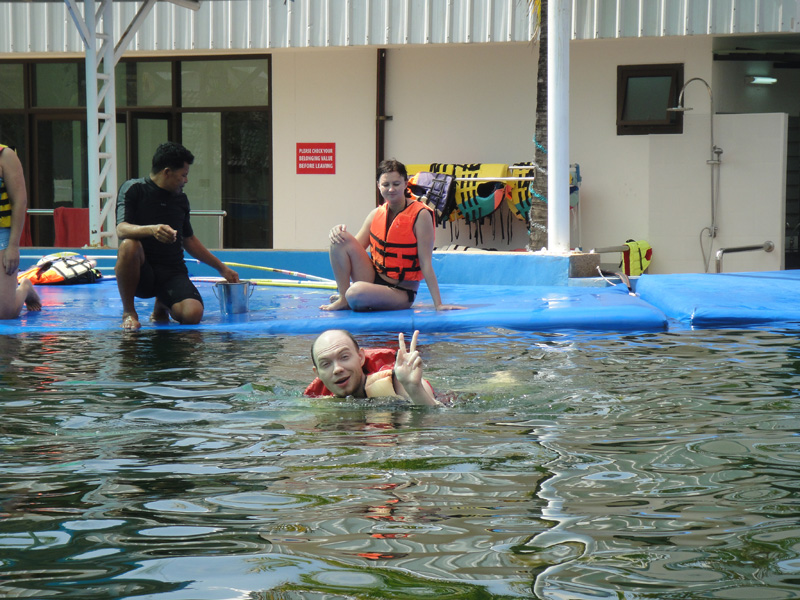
[[164, 274]]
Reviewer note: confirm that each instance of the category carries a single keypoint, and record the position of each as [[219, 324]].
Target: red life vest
[[377, 359], [394, 248]]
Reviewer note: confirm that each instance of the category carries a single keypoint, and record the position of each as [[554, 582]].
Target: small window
[[644, 93]]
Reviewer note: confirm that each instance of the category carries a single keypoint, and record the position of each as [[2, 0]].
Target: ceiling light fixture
[[760, 80]]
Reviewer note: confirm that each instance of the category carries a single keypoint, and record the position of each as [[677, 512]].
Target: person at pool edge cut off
[[154, 229], [400, 234], [344, 369], [13, 205]]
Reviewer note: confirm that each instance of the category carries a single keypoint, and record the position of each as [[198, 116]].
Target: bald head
[[332, 335], [339, 362]]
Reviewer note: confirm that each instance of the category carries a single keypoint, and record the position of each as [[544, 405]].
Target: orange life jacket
[[377, 359], [62, 268], [394, 249]]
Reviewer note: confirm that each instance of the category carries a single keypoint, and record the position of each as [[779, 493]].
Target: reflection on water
[[185, 465]]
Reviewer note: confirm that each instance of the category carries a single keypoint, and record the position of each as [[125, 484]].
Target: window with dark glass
[[218, 108], [644, 93]]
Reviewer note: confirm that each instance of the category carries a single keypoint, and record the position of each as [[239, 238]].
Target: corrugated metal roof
[[269, 24]]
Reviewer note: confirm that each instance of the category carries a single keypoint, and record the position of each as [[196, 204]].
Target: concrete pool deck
[[515, 291]]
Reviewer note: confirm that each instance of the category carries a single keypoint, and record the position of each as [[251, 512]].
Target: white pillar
[[558, 23], [101, 130]]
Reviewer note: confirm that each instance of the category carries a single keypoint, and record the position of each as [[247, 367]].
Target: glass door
[[147, 131], [60, 179]]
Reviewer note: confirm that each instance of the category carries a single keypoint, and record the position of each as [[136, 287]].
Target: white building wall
[[464, 104], [658, 187], [477, 103], [322, 97], [448, 104], [616, 169], [751, 205]]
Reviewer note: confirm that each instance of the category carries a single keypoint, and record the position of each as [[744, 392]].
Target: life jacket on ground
[[62, 268], [5, 202], [394, 249], [637, 258], [376, 359]]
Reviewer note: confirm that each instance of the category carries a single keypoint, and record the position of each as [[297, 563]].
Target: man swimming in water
[[344, 369]]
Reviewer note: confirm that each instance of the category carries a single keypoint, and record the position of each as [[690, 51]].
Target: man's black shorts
[[169, 284]]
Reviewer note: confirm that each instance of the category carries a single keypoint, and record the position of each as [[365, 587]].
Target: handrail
[[609, 249], [767, 246], [220, 214]]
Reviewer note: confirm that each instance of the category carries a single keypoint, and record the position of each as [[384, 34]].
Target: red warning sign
[[316, 159]]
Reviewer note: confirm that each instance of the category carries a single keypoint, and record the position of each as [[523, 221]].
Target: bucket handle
[[247, 281]]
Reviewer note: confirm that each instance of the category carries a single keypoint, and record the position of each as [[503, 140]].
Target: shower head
[[681, 107]]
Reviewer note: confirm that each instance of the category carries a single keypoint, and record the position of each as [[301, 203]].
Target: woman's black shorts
[[412, 294]]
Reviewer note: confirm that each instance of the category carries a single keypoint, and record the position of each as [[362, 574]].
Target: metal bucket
[[234, 298]]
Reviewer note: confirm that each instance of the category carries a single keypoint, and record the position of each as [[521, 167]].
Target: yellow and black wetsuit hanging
[[5, 202]]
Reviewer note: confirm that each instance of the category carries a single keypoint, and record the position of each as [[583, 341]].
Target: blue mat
[[520, 291], [285, 310], [725, 299]]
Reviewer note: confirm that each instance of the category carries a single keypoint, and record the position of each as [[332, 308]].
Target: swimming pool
[[185, 465]]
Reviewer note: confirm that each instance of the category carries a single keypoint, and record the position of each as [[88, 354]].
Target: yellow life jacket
[[5, 203], [520, 197], [637, 258]]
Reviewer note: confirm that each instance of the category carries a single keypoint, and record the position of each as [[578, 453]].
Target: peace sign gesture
[[408, 364]]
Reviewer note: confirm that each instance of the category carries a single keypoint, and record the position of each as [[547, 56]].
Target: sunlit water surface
[[186, 465]]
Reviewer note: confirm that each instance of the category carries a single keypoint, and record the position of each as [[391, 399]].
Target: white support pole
[[97, 31], [92, 150], [558, 22], [101, 127]]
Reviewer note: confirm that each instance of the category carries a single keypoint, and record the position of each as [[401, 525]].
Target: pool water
[[185, 465]]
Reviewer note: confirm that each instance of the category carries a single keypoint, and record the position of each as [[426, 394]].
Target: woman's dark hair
[[170, 155], [391, 165]]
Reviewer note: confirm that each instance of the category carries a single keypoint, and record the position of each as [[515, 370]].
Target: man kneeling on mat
[[153, 228], [344, 369]]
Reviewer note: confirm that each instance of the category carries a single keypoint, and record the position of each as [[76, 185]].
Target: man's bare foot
[[32, 301], [333, 298], [130, 322], [160, 313], [338, 304]]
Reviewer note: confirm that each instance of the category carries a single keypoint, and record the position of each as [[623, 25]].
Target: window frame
[[673, 121]]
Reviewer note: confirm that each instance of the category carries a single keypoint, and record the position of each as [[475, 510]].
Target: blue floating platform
[[288, 310], [724, 299], [505, 290]]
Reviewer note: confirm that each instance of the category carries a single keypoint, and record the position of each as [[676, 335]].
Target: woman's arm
[[426, 234]]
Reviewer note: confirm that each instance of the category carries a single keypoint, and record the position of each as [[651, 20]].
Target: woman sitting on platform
[[400, 235]]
